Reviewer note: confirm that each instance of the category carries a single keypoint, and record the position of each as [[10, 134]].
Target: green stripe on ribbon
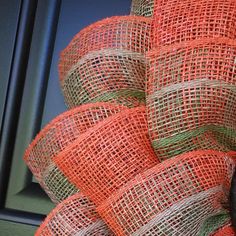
[[58, 185], [125, 93], [194, 133], [213, 223]]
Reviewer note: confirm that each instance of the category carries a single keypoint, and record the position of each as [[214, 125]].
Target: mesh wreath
[[104, 149]]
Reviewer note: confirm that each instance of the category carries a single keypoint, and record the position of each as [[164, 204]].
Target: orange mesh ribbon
[[183, 20], [105, 62], [191, 96], [225, 231], [186, 195], [106, 157], [56, 137]]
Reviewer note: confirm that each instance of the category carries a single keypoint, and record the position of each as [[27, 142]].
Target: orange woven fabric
[[182, 196], [105, 62], [74, 216], [191, 96], [107, 156], [142, 8], [182, 20], [56, 137], [130, 33], [225, 231]]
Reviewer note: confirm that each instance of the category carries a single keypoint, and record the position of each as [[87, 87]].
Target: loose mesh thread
[[182, 20], [56, 137], [105, 62], [191, 97], [186, 195], [74, 216], [107, 156], [142, 8]]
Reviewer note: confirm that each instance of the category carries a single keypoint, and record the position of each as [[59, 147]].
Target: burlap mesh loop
[[55, 137], [76, 215], [109, 155], [107, 75], [142, 8], [105, 62], [191, 92], [186, 195], [130, 33], [182, 20]]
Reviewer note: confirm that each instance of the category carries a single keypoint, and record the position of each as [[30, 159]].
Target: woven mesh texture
[[191, 97], [142, 8], [55, 137], [225, 231], [74, 216], [181, 20], [182, 196], [130, 33], [110, 154], [214, 222], [56, 184], [115, 75]]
